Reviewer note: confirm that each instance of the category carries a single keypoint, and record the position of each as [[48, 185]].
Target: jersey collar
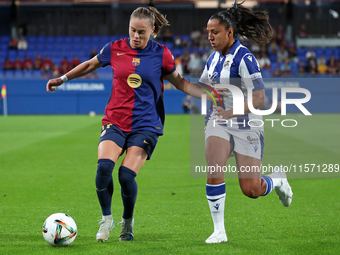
[[233, 48], [139, 50]]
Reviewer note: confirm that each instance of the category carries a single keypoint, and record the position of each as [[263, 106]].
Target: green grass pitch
[[48, 165]]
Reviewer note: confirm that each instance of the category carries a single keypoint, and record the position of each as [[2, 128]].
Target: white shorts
[[247, 142]]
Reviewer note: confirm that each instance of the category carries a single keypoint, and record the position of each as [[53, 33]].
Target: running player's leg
[[108, 153], [217, 151], [140, 146], [253, 184], [132, 163], [111, 144]]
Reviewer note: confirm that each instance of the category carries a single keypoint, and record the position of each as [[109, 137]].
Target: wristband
[[64, 78]]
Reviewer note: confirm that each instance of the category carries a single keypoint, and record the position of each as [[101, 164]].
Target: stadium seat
[[50, 39], [272, 58], [36, 73], [27, 74], [266, 73], [318, 52], [3, 46], [77, 39], [185, 37], [10, 74], [59, 40]]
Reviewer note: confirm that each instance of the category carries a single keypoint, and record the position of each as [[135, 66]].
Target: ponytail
[[254, 25], [156, 18]]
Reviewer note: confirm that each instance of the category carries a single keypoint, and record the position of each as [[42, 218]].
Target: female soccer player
[[232, 63], [134, 115]]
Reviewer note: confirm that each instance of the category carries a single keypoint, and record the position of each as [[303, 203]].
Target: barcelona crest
[[136, 61]]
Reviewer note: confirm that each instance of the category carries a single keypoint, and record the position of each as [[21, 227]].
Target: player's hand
[[220, 92], [223, 114], [51, 84]]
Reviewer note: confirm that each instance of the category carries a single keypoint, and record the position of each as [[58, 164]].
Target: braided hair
[[245, 22]]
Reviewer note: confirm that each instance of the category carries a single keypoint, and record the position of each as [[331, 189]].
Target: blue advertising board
[[82, 96]]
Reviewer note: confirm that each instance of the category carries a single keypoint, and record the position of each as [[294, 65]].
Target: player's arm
[[79, 71], [258, 101], [184, 85]]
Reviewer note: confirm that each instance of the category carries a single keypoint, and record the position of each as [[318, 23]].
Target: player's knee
[[251, 191], [104, 172], [127, 181], [126, 175]]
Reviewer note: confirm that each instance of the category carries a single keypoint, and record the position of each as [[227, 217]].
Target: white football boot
[[218, 236], [284, 191], [106, 225]]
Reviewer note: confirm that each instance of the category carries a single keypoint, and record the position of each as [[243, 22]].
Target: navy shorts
[[144, 139]]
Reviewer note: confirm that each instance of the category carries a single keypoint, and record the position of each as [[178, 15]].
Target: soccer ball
[[59, 229]]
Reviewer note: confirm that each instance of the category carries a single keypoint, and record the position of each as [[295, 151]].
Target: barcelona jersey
[[136, 100]]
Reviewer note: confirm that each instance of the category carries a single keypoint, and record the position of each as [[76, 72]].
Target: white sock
[[107, 217], [216, 200]]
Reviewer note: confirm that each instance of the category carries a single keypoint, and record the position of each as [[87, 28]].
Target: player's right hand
[[53, 83]]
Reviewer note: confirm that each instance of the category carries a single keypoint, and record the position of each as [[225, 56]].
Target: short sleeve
[[250, 72], [168, 62], [205, 75], [104, 56]]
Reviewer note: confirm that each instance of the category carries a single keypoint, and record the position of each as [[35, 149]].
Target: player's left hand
[[220, 92], [219, 111], [51, 84]]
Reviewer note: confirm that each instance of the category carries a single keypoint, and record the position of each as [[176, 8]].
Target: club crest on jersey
[[226, 65], [136, 61]]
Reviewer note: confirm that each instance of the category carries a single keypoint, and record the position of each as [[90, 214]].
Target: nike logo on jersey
[[250, 58], [119, 54], [217, 206]]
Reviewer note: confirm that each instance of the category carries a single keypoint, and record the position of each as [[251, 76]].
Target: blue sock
[[269, 183], [104, 184], [128, 190]]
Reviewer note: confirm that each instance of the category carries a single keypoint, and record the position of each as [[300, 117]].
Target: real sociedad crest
[[226, 65], [136, 61]]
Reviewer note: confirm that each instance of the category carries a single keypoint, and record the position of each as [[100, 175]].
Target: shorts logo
[[134, 80], [145, 142], [103, 133], [136, 61], [254, 142]]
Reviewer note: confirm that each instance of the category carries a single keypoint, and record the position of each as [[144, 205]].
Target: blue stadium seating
[[58, 47]]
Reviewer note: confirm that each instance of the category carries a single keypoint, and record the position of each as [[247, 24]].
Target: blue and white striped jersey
[[240, 68]]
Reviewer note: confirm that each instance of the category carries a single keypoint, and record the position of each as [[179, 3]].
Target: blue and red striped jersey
[[136, 100]]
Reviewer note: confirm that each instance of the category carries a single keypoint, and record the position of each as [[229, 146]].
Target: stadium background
[[48, 141], [62, 30]]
